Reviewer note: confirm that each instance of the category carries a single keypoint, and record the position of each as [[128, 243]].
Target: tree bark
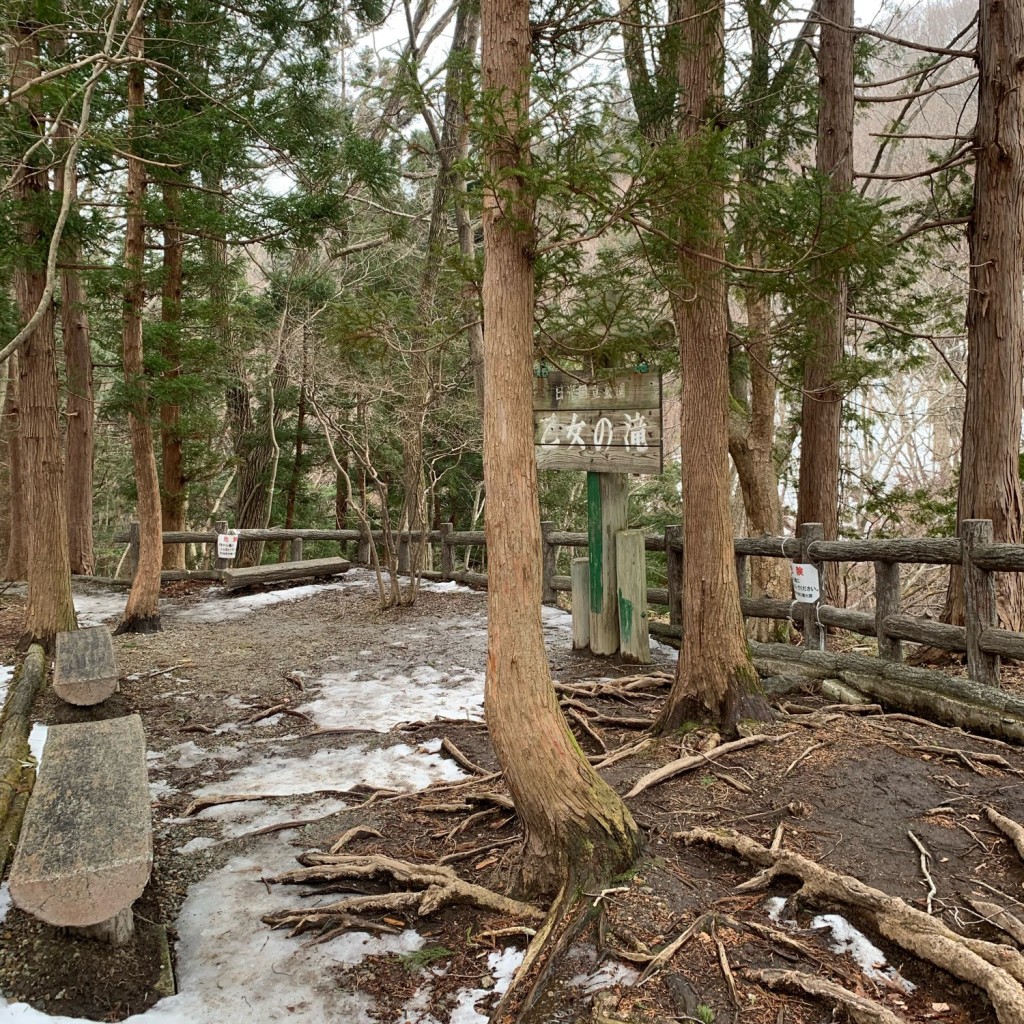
[[577, 828], [50, 608], [714, 673], [990, 486], [80, 409], [142, 612], [822, 402], [173, 496], [16, 567]]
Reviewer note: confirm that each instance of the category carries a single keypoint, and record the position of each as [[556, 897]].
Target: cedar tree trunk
[[50, 608], [142, 612], [990, 486], [822, 404], [714, 673], [16, 567], [577, 828]]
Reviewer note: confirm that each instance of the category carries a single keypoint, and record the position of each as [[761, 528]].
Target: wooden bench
[[84, 671], [311, 568], [86, 848]]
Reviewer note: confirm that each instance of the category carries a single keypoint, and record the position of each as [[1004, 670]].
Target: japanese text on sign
[[610, 425], [227, 544], [806, 584]]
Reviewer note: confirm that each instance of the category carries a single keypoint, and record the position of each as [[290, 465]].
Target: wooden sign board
[[610, 425]]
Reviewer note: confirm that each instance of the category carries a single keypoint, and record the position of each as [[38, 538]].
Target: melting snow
[[6, 675], [37, 740], [96, 608], [397, 767], [5, 901], [847, 939], [377, 702]]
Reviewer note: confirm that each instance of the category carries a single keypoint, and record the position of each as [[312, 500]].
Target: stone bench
[[86, 848], [84, 671], [310, 568]]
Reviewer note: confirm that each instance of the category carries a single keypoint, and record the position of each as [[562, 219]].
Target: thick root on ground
[[1009, 828], [996, 969], [861, 1009], [426, 888]]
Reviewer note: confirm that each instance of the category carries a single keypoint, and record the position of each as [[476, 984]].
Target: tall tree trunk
[[714, 673], [990, 486], [80, 407], [50, 607], [292, 493], [822, 405], [173, 495], [16, 567], [142, 612], [752, 446], [577, 828]]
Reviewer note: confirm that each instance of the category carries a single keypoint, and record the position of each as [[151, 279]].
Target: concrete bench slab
[[84, 670], [86, 848], [310, 568]]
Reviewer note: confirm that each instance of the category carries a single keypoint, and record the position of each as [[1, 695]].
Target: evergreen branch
[[932, 339], [930, 226], [957, 159], [67, 192], [907, 77], [907, 43], [938, 87]]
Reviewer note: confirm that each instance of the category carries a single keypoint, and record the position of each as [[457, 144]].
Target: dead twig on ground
[[926, 858], [685, 764], [801, 756]]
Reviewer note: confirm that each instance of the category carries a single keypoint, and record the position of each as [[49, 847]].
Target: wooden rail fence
[[983, 641]]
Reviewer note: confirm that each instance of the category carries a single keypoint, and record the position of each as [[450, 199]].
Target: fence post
[[607, 514], [887, 602], [363, 545], [296, 549], [814, 633], [219, 527], [579, 572], [550, 556], [133, 550], [741, 573], [979, 602], [447, 551], [674, 573], [631, 593]]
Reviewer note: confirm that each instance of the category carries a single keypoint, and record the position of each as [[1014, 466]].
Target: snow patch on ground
[[37, 740], [232, 969], [852, 941], [97, 608], [6, 675], [5, 901], [398, 767], [501, 965], [377, 702], [239, 819]]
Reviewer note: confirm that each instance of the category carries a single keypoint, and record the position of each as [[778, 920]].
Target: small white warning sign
[[806, 583], [227, 544]]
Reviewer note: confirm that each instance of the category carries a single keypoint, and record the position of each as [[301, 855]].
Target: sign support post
[[607, 514]]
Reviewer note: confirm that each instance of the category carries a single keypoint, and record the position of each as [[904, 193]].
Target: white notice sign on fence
[[227, 544], [806, 584]]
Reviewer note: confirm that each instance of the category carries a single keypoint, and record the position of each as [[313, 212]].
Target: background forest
[[260, 229]]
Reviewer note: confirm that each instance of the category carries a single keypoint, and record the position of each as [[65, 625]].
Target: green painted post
[[607, 507]]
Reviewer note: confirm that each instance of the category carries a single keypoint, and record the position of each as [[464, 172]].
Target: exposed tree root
[[995, 915], [861, 1009], [1009, 828], [427, 888], [691, 761], [449, 748], [996, 969]]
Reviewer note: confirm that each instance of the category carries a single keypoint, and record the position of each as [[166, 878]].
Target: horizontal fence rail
[[981, 638]]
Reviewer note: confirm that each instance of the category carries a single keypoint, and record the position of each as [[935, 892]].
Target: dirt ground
[[847, 784]]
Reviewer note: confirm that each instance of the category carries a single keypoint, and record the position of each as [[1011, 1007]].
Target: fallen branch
[[992, 967], [1009, 828], [449, 748], [629, 750], [664, 956], [801, 756], [685, 764], [861, 1009], [429, 887], [203, 802], [346, 837]]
